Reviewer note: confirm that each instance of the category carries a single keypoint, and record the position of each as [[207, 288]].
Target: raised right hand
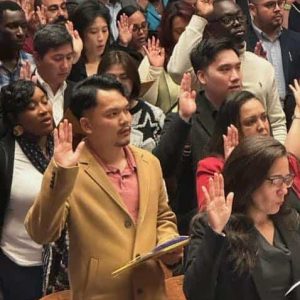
[[204, 8], [231, 140], [64, 155], [217, 207], [187, 98]]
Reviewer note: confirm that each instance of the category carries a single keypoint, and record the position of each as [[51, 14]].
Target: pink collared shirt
[[125, 182]]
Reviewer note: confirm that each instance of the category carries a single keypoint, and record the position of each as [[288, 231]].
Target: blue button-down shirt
[[7, 76], [273, 49]]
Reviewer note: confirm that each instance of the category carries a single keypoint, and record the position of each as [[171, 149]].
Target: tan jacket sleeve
[[46, 218]]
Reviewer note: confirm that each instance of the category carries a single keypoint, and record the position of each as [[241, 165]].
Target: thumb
[[229, 200]]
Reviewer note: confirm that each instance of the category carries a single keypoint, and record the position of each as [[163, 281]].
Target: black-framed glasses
[[228, 20], [137, 27], [272, 4], [278, 180]]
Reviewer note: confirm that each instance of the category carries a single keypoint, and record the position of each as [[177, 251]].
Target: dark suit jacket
[[209, 274], [180, 148], [290, 51]]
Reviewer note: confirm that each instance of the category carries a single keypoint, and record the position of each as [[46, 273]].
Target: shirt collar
[[261, 35], [46, 86]]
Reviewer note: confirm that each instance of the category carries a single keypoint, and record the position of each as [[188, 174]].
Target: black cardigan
[[7, 153]]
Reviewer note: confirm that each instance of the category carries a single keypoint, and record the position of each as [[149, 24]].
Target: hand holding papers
[[164, 248]]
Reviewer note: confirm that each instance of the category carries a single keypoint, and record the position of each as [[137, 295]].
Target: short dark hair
[[128, 10], [51, 36], [15, 98], [129, 65], [84, 95], [207, 50], [8, 5], [247, 167]]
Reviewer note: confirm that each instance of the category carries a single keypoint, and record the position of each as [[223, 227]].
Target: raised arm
[[292, 142], [46, 218], [179, 62]]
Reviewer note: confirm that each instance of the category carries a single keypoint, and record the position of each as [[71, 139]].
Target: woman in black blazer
[[246, 245]]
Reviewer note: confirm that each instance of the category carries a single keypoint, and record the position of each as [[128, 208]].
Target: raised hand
[[76, 41], [41, 15], [217, 207], [64, 155], [143, 3], [187, 98], [260, 51], [296, 92], [155, 53], [125, 30], [204, 8], [231, 140]]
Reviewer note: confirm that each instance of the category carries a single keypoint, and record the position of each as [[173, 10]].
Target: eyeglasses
[[137, 27], [228, 20], [272, 4], [278, 180]]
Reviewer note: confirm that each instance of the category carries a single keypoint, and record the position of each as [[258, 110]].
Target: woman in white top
[[24, 155]]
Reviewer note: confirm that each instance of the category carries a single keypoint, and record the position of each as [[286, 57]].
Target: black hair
[[129, 65], [87, 12], [128, 10], [8, 5], [49, 37], [15, 98], [229, 113], [207, 50], [84, 95]]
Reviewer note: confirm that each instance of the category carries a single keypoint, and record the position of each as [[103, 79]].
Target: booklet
[[158, 251]]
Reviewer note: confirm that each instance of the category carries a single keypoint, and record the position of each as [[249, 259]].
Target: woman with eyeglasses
[[243, 115], [245, 245]]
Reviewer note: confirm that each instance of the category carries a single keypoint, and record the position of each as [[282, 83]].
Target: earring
[[18, 130]]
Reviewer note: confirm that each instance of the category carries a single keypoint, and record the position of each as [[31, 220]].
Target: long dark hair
[[86, 13], [229, 113], [244, 172]]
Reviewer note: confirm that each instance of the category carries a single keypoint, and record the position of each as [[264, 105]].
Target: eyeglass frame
[[272, 4], [283, 180], [241, 18], [143, 26]]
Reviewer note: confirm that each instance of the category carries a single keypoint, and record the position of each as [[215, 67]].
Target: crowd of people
[[126, 123]]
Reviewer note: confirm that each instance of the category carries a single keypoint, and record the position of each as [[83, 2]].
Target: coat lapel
[[143, 179], [96, 172], [285, 54]]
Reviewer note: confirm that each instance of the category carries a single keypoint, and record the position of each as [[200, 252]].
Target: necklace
[[296, 8]]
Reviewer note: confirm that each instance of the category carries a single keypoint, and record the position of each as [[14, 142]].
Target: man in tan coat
[[112, 197]]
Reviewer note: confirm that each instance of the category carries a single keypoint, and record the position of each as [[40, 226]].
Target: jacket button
[[127, 223]]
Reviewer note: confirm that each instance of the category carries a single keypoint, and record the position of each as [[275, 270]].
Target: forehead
[[223, 8], [13, 16], [116, 69], [110, 99], [137, 18], [225, 57], [252, 106], [98, 22], [61, 50], [38, 94], [179, 22], [53, 2]]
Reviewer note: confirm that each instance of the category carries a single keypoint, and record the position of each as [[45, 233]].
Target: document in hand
[[292, 288], [159, 250]]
